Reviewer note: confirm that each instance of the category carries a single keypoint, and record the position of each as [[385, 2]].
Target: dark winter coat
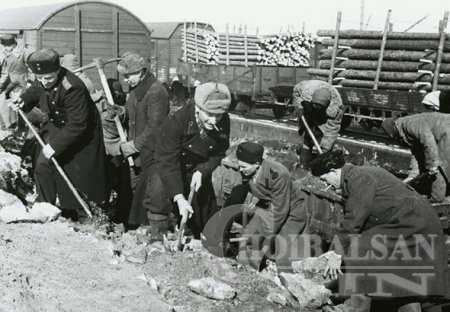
[[280, 209], [181, 150], [390, 219], [147, 107], [74, 131], [428, 136]]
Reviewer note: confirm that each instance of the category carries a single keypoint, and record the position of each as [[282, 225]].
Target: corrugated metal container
[[167, 47], [89, 29]]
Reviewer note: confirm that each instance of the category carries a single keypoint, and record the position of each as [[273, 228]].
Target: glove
[[185, 209], [128, 148], [48, 151], [433, 171], [16, 104], [196, 180], [115, 110]]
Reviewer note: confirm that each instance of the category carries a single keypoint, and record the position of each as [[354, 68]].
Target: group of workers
[[175, 154]]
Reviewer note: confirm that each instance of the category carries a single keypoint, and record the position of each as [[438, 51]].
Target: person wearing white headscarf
[[437, 101]]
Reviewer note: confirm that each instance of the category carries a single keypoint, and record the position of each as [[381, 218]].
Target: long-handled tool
[[94, 64], [311, 134], [58, 167], [183, 222], [100, 65]]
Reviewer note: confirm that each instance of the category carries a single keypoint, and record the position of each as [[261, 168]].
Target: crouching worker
[[428, 137], [391, 239], [189, 147], [323, 111], [280, 214], [72, 133]]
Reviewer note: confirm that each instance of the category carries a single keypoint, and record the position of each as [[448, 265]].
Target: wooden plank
[[383, 45], [115, 35], [184, 42], [102, 24], [78, 43], [59, 21], [335, 45], [440, 51]]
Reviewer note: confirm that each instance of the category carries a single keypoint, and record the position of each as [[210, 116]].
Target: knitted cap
[[250, 152], [322, 97], [43, 61], [131, 63], [389, 127], [214, 98], [323, 163]]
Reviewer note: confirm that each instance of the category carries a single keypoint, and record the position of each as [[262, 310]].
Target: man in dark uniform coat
[[391, 239], [72, 133], [280, 207], [191, 144]]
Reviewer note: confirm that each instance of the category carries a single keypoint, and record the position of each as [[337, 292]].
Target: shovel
[[182, 227]]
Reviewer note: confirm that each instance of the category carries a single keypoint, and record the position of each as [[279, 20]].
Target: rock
[[356, 303], [277, 298], [12, 210], [212, 289], [313, 268], [136, 255], [308, 293]]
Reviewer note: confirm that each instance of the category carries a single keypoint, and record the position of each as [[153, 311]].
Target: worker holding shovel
[[72, 135], [190, 145]]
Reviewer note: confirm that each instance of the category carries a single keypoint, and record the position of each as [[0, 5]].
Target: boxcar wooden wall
[[93, 30]]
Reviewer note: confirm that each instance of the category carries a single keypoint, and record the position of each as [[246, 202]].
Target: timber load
[[396, 61], [202, 46]]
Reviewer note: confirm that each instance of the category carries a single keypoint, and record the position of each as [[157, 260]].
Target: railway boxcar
[[88, 29]]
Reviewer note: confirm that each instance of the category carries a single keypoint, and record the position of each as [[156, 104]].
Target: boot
[[158, 229]]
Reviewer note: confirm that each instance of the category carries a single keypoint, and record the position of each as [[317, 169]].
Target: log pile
[[202, 46], [286, 50], [409, 60]]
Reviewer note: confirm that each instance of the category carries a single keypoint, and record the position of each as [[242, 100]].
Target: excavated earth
[[66, 266]]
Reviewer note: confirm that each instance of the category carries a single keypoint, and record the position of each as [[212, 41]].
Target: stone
[[277, 298], [308, 293], [13, 210], [136, 255], [210, 288], [314, 267]]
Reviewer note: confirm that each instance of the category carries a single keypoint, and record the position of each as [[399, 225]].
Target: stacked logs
[[409, 60], [286, 50], [202, 46]]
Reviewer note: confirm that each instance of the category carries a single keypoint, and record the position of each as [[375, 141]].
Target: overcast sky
[[275, 15]]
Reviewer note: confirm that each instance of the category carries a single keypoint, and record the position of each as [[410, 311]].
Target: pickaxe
[[100, 65]]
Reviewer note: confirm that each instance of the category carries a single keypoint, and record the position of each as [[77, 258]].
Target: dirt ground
[[58, 267]]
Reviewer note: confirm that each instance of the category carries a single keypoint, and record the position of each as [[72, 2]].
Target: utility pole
[[361, 18]]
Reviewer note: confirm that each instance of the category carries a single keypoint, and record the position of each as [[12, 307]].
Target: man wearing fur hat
[[72, 133], [323, 110], [13, 78], [145, 109], [386, 231], [189, 147], [280, 210], [428, 137]]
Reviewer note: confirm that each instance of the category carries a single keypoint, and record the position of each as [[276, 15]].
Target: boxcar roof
[[32, 18], [165, 30]]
